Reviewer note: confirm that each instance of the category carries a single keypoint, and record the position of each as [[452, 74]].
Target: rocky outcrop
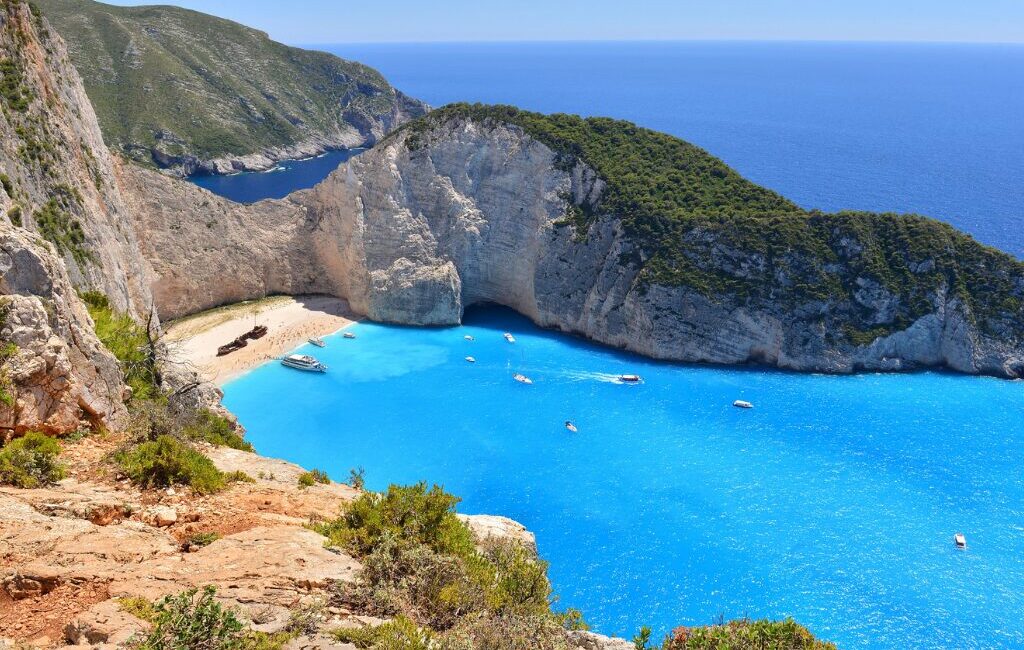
[[477, 214], [58, 375]]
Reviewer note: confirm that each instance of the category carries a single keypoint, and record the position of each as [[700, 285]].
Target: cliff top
[[673, 198]]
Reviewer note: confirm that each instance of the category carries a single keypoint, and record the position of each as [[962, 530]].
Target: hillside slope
[[190, 91], [597, 227]]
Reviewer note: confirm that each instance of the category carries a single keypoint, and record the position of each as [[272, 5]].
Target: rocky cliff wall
[[415, 234]]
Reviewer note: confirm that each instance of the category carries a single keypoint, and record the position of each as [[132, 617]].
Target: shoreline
[[193, 340]]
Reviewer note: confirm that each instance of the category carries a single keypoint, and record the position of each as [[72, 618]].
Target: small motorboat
[[508, 337], [471, 359], [303, 362], [570, 426], [468, 337], [348, 335], [522, 379], [318, 342], [630, 379], [741, 404], [960, 541]]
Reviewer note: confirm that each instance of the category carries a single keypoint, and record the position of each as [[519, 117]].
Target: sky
[[339, 21]]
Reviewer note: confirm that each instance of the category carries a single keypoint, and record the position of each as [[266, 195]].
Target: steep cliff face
[[192, 92], [467, 211], [56, 175]]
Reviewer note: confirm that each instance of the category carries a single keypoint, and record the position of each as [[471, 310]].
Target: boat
[[471, 359], [741, 404], [349, 335], [303, 362], [257, 332], [318, 342], [522, 379], [630, 379], [508, 337], [570, 426], [228, 348], [960, 541], [468, 337]]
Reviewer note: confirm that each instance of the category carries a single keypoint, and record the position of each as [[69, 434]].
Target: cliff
[[187, 91], [683, 261]]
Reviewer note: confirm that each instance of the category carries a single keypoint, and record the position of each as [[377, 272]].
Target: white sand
[[291, 321]]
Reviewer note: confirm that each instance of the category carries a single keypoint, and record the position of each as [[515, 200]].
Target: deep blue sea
[[278, 182], [833, 501]]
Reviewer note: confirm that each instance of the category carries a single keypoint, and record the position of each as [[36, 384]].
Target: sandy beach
[[194, 340]]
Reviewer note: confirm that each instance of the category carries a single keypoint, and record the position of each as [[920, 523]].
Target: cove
[[287, 177], [833, 501]]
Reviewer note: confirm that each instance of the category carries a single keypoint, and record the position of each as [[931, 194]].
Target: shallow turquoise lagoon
[[833, 501]]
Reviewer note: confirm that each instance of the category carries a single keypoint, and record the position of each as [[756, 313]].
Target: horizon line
[[659, 40]]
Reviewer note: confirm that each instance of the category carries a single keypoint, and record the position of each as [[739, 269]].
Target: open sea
[[836, 498]]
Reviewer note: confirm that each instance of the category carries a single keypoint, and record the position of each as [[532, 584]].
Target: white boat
[[630, 379], [349, 335], [468, 337], [303, 362], [471, 359], [960, 541], [740, 404], [318, 342], [508, 337], [522, 379], [570, 426]]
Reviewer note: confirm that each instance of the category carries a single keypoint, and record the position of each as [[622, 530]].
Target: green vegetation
[[14, 214], [15, 95], [246, 92], [400, 633], [194, 619], [30, 461], [207, 426], [696, 222], [55, 225], [309, 479], [746, 635], [8, 349], [5, 182], [421, 562], [165, 462], [129, 342], [357, 478], [200, 540]]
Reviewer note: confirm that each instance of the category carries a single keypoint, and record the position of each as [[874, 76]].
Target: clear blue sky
[[334, 21]]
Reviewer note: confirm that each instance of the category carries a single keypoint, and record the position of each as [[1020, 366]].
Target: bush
[[411, 514], [214, 429], [357, 478], [165, 461], [200, 540], [399, 634], [31, 461], [129, 342], [308, 479], [138, 607], [746, 635]]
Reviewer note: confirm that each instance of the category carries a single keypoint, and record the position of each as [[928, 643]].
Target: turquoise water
[[833, 501]]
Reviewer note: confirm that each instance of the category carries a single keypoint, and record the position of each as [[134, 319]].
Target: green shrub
[[200, 540], [5, 182], [192, 619], [31, 461], [138, 607], [214, 429], [357, 478], [58, 227], [398, 634], [312, 477], [128, 341], [746, 635], [14, 214], [7, 350], [165, 461]]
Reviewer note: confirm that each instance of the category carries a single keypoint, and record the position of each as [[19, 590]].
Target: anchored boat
[[471, 359], [960, 541], [303, 362], [318, 342], [349, 335], [508, 337], [740, 404], [522, 379]]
